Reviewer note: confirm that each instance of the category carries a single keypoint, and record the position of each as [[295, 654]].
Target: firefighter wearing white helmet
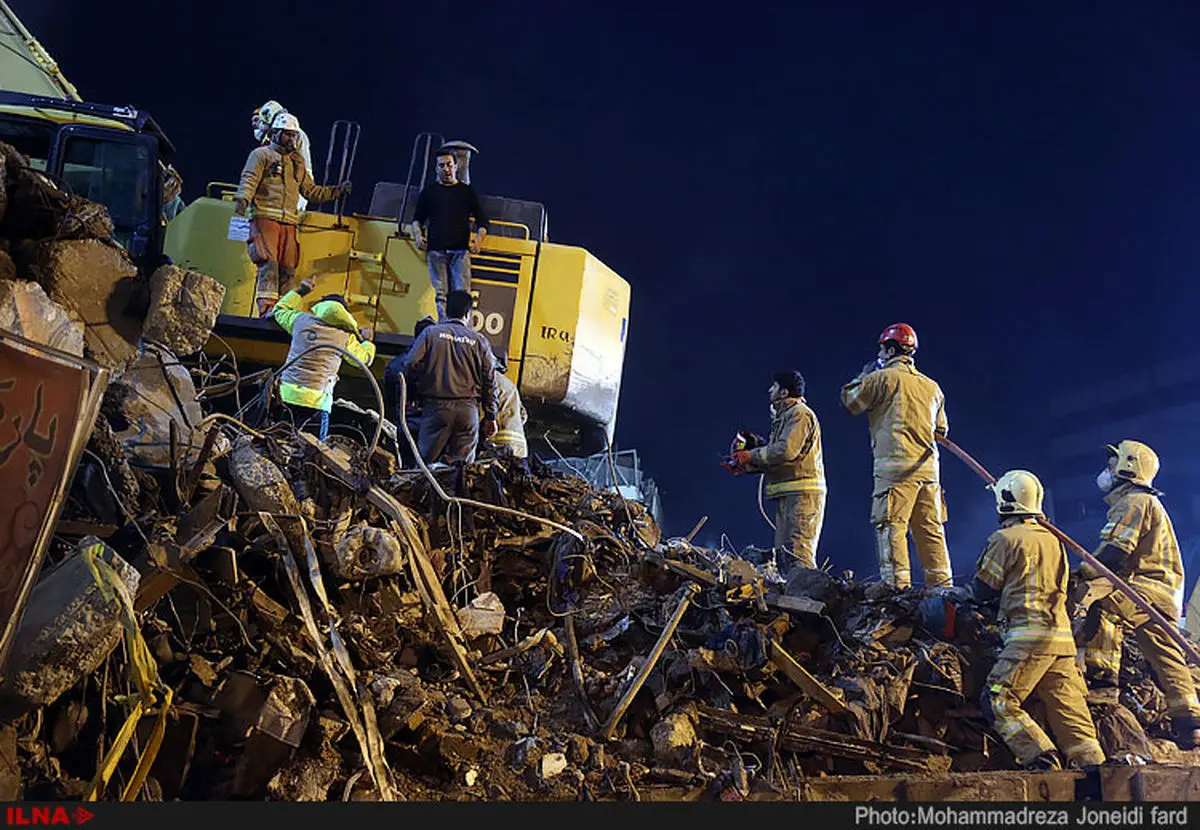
[[906, 411], [273, 180], [1024, 567], [1138, 544], [260, 122]]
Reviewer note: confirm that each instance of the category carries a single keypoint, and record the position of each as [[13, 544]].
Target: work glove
[[364, 333], [741, 460], [239, 207]]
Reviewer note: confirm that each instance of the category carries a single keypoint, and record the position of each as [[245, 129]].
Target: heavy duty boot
[[1049, 761], [1186, 732]]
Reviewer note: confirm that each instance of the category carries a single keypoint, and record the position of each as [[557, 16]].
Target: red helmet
[[900, 333]]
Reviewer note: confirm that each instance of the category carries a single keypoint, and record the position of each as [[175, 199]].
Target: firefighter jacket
[[1138, 524], [791, 461], [310, 380], [1028, 566], [510, 418], [452, 361], [904, 410], [273, 182]]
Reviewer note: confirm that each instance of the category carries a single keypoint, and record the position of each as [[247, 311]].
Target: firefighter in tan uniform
[[904, 409], [510, 412], [1138, 544], [793, 468], [1025, 567]]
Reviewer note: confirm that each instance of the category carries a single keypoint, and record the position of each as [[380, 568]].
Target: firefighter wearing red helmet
[[905, 410]]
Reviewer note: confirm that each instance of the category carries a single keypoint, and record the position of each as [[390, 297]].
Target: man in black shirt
[[442, 228]]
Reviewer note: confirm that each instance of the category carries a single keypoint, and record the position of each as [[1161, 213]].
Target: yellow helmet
[[1135, 462], [1018, 493]]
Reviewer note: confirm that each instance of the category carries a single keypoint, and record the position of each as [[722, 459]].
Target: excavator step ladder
[[348, 132]]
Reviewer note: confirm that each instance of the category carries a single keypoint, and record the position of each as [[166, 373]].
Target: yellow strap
[[145, 677]]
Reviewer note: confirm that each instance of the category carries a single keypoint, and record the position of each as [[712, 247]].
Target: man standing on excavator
[[905, 411], [441, 227], [794, 470], [260, 122], [1138, 544], [273, 180], [1025, 567]]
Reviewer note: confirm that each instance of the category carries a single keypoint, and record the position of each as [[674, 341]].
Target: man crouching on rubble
[[1138, 544], [794, 469], [306, 385], [1025, 567]]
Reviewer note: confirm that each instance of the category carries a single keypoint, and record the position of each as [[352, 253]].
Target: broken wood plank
[[796, 738], [626, 700], [802, 678], [69, 527]]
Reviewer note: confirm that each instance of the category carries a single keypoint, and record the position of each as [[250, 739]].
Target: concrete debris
[[183, 309], [158, 401], [366, 552], [483, 615], [552, 764], [68, 629], [26, 311], [673, 737]]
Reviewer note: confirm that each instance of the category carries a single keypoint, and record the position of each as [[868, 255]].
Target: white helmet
[[1018, 493], [260, 120], [285, 121], [1135, 462]]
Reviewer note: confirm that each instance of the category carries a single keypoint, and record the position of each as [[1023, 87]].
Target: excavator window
[[32, 139], [113, 173]]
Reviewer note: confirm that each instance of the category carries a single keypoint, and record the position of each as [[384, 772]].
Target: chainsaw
[[745, 440]]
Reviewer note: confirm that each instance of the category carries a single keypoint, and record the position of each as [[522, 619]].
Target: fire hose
[[1170, 628]]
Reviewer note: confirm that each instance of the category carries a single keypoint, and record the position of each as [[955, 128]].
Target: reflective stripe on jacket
[[510, 418], [791, 461], [1139, 525], [272, 184], [310, 380]]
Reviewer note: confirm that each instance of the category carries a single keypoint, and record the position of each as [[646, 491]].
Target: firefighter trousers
[[1057, 682], [798, 521], [917, 506], [1102, 656], [275, 249]]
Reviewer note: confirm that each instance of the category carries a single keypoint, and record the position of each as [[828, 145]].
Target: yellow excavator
[[558, 310]]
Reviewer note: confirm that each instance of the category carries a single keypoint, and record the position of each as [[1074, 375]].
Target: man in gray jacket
[[450, 368]]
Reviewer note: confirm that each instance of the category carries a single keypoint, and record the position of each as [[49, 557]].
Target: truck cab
[[116, 156]]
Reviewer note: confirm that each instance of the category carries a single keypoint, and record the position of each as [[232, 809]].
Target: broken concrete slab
[[674, 738], [160, 392], [27, 311], [68, 629], [552, 764], [96, 283], [183, 309]]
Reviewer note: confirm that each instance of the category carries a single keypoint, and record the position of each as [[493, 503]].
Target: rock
[[27, 311], [365, 552], [183, 309], [578, 750], [519, 753], [68, 629], [95, 283], [458, 709], [8, 268], [400, 698], [673, 738], [157, 386], [551, 765], [484, 615]]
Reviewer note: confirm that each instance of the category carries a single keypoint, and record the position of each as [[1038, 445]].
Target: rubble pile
[[238, 611]]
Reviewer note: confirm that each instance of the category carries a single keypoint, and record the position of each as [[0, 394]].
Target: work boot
[[1049, 761], [1186, 732]]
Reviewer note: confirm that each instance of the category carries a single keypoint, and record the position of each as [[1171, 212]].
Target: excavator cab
[[559, 311]]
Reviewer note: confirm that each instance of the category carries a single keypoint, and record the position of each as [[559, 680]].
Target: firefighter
[[905, 410], [260, 124], [306, 385], [1138, 544], [510, 413], [274, 178], [1025, 567], [794, 470]]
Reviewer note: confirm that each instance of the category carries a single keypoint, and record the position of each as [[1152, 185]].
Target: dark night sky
[[776, 183]]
